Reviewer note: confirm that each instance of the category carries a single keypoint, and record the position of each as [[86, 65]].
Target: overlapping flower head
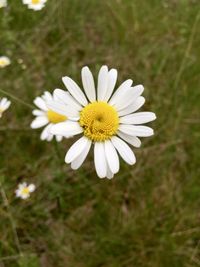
[[24, 190], [46, 117], [103, 118], [4, 105], [35, 4], [4, 61], [3, 3]]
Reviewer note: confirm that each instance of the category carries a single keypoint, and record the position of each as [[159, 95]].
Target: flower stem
[[17, 99]]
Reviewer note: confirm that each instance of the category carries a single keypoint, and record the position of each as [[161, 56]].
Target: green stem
[[17, 99], [12, 221]]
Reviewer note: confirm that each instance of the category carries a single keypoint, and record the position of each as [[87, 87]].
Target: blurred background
[[149, 214]]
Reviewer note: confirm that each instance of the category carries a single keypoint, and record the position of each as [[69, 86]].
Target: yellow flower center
[[35, 2], [3, 62], [99, 120], [25, 191], [55, 117]]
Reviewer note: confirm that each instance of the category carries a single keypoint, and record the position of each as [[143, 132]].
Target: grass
[[148, 215]]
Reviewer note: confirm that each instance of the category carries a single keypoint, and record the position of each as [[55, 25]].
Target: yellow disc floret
[[35, 1], [25, 191], [54, 117], [99, 120], [3, 62]]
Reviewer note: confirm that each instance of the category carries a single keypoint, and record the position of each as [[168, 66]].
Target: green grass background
[[149, 214]]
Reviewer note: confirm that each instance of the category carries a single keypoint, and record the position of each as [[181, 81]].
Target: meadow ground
[[149, 214]]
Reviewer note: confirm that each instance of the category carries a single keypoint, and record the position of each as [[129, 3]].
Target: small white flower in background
[[35, 4], [24, 190], [46, 117], [4, 104], [4, 61], [105, 119], [3, 3]]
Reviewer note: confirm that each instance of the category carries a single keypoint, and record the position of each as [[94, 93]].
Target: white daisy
[[104, 118], [24, 190], [3, 3], [35, 4], [46, 116], [4, 104], [4, 61]]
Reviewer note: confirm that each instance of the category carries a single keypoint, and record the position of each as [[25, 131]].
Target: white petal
[[38, 112], [120, 91], [50, 137], [6, 105], [47, 96], [18, 193], [138, 118], [63, 109], [134, 106], [112, 79], [111, 156], [39, 102], [21, 186], [66, 98], [75, 90], [59, 138], [25, 196], [141, 131], [77, 162], [100, 159], [3, 101], [88, 84], [67, 128], [76, 149], [39, 122], [109, 174], [36, 7], [31, 188], [102, 83], [124, 150], [45, 133], [127, 98], [132, 140]]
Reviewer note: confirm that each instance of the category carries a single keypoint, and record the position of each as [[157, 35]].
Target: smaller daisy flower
[[4, 104], [3, 3], [4, 61], [35, 4], [24, 190], [47, 117]]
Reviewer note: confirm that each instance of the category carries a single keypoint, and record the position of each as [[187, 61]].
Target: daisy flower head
[[4, 104], [24, 190], [46, 117], [104, 118], [35, 4], [4, 61], [3, 3]]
